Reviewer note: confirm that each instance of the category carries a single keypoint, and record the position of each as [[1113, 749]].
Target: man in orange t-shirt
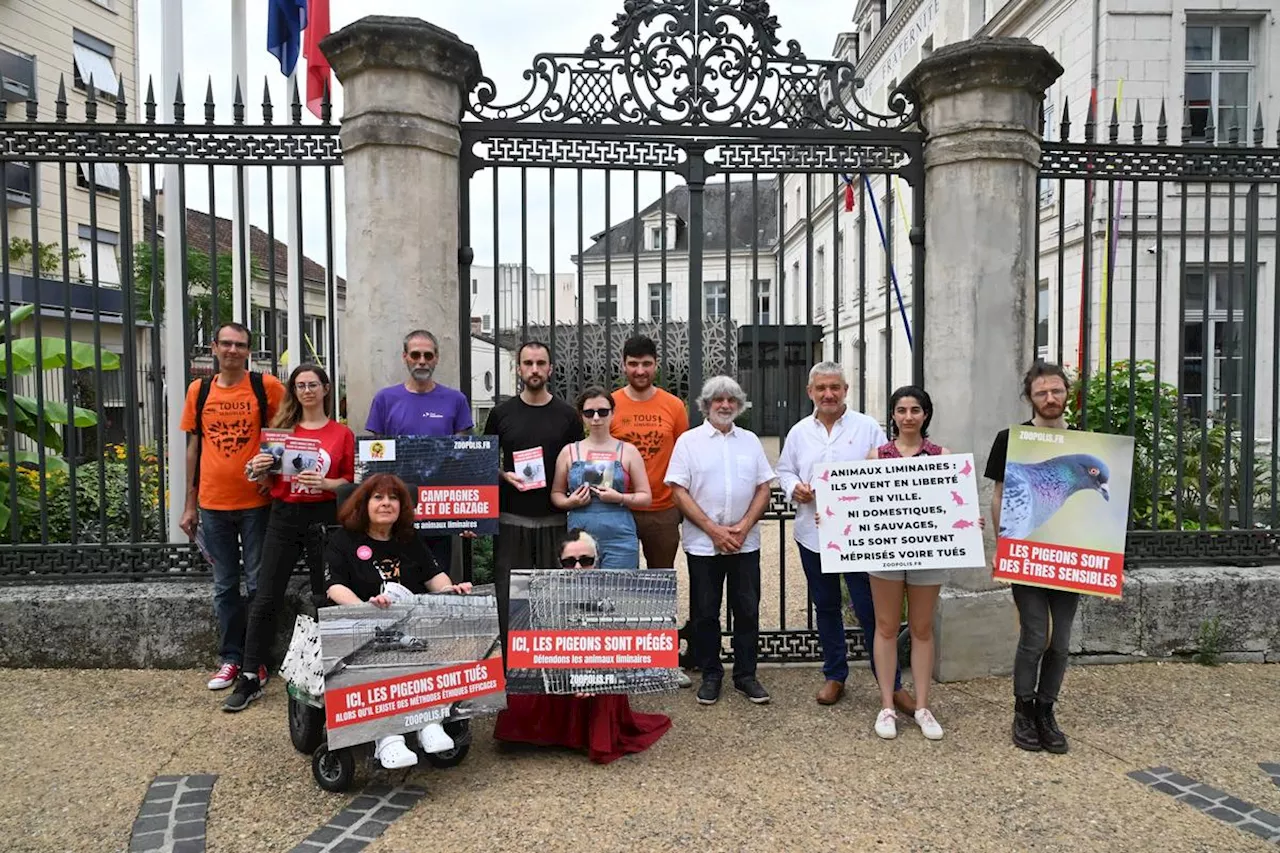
[[225, 512], [651, 419]]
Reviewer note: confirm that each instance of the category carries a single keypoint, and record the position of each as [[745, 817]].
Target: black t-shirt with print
[[1000, 454], [362, 564]]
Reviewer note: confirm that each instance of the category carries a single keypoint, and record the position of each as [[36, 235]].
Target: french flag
[[286, 21]]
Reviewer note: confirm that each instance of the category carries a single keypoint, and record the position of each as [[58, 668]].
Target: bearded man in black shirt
[[532, 428]]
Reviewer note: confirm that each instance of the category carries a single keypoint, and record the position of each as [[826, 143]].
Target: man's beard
[[422, 374], [1044, 412], [721, 419], [535, 383]]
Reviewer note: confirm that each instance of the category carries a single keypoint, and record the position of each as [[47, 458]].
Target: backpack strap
[[202, 397], [259, 386]]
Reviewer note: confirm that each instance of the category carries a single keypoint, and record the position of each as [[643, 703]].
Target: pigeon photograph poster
[[1065, 510], [916, 513], [592, 631], [394, 670], [453, 479]]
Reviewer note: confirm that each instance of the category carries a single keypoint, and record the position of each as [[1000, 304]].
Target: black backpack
[[206, 385]]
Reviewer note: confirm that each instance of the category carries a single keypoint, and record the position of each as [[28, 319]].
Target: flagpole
[[175, 357], [240, 225], [296, 346]]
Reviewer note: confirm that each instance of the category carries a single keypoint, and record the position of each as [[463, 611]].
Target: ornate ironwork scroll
[[702, 63]]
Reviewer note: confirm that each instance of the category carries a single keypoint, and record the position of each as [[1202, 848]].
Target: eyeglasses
[[308, 386], [570, 562], [416, 355], [1057, 393], [592, 413], [234, 344]]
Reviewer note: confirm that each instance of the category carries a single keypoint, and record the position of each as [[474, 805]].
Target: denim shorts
[[913, 577]]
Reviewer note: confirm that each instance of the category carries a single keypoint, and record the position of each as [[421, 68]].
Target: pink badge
[[364, 552]]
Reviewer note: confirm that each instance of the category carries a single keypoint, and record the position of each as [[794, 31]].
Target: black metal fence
[[1158, 283]]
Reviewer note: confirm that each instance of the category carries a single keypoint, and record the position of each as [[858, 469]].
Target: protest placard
[[885, 514], [592, 631], [453, 479], [1065, 510], [394, 670]]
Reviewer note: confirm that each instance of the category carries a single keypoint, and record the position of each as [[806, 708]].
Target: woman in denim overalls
[[599, 480]]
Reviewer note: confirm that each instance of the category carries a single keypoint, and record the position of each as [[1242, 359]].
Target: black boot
[[1024, 725], [1051, 737]]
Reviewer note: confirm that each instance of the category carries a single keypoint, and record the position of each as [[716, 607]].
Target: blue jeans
[[825, 592], [227, 535]]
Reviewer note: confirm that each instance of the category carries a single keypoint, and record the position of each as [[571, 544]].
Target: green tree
[[47, 257], [199, 282], [36, 422]]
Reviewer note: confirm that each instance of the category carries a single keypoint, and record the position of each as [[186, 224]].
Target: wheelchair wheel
[[306, 725], [450, 757], [333, 771]]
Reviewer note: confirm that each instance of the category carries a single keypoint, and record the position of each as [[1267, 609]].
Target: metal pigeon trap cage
[[592, 600]]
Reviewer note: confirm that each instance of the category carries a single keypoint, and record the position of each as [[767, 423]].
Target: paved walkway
[[83, 750]]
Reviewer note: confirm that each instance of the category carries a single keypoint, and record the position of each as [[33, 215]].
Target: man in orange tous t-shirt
[[651, 419], [225, 512]]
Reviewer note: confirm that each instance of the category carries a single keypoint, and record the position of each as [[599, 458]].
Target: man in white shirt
[[720, 478], [834, 433]]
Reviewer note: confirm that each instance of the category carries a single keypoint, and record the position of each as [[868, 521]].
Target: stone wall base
[[161, 625]]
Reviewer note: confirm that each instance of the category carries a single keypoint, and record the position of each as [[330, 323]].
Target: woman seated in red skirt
[[604, 726]]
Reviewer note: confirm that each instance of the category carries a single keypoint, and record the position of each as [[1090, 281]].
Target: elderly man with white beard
[[720, 478]]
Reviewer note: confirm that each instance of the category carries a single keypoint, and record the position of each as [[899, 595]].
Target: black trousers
[[291, 530], [708, 577]]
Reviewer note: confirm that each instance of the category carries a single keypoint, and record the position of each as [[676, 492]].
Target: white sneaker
[[928, 725], [434, 739], [682, 678], [887, 724], [224, 677], [394, 754]]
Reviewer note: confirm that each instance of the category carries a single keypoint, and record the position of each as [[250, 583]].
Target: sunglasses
[[591, 413], [570, 562], [415, 355]]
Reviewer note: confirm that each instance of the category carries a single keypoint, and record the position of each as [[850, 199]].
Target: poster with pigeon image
[[452, 479], [915, 513], [1065, 510]]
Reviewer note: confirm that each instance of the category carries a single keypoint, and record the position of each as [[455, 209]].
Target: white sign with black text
[[885, 514]]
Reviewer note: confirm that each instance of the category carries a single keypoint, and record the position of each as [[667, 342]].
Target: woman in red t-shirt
[[300, 502]]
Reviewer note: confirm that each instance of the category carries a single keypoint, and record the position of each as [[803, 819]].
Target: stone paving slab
[[1217, 804], [172, 816], [787, 776]]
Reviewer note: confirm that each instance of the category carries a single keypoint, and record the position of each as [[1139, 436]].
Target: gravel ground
[[81, 747]]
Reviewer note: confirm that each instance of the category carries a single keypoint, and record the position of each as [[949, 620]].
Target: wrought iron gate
[[687, 97]]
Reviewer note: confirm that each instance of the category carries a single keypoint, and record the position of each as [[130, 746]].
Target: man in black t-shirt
[[532, 428], [1044, 615]]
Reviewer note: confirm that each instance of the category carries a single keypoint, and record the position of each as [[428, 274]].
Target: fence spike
[[237, 104], [1257, 128], [209, 108], [1233, 131], [60, 102], [122, 102], [91, 102], [326, 106], [150, 105], [179, 105], [1042, 119], [1064, 126], [266, 101], [33, 109], [295, 105], [1278, 134], [1091, 119], [1137, 123], [1210, 130], [1162, 126], [1186, 125], [1113, 130], [4, 111]]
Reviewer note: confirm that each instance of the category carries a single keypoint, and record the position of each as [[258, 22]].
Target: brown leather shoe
[[831, 692], [904, 702]]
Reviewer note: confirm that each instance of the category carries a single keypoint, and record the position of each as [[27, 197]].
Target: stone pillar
[[403, 81], [979, 103]]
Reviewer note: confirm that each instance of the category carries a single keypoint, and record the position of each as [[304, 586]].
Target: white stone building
[[522, 293], [1216, 56]]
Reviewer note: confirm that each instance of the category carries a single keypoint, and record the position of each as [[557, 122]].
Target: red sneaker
[[225, 676], [262, 675]]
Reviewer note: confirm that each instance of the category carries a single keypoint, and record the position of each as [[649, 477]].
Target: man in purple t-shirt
[[422, 406]]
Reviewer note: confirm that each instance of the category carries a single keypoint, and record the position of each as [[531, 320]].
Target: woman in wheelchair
[[377, 557]]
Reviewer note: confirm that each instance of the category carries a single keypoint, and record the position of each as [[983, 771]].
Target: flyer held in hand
[[592, 631], [920, 512], [1065, 510], [394, 670], [453, 479]]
